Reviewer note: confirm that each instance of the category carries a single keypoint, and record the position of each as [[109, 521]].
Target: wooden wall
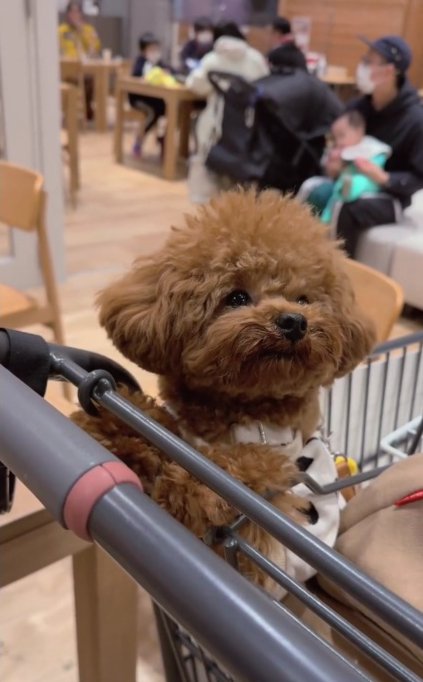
[[336, 25]]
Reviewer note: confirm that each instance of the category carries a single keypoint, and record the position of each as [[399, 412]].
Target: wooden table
[[336, 78], [340, 81], [100, 70], [179, 104], [69, 98]]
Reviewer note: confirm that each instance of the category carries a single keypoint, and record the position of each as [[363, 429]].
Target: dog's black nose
[[292, 325]]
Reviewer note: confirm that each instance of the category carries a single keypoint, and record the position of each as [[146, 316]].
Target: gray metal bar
[[182, 574], [235, 622], [400, 615], [364, 419], [399, 342], [49, 452], [415, 382], [351, 633], [382, 408], [341, 483]]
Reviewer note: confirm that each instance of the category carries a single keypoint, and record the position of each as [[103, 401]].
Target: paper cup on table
[[107, 54]]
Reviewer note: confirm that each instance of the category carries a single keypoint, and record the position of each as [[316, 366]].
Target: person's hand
[[374, 172], [333, 165]]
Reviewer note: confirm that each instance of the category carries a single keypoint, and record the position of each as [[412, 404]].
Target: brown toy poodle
[[245, 314]]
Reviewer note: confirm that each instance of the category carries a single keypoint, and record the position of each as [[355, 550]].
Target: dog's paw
[[260, 467], [190, 501]]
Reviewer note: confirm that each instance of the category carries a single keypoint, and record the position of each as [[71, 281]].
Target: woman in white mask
[[198, 46], [393, 113]]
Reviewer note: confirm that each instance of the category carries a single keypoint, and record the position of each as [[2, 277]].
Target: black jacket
[[193, 50], [139, 66], [298, 106], [273, 130], [399, 124]]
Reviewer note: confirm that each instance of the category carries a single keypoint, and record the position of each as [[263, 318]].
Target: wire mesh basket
[[359, 412], [207, 613], [383, 393]]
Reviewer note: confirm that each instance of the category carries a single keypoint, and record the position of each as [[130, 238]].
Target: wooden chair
[[124, 114], [71, 71], [22, 206], [379, 296], [69, 137]]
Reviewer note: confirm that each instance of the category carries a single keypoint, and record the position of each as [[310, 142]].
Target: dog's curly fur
[[221, 365]]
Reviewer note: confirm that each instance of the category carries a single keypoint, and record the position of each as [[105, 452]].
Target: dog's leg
[[124, 442], [260, 467]]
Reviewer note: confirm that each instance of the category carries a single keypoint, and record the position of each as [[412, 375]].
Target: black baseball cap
[[393, 49]]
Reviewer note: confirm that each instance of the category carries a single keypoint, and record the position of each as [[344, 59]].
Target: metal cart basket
[[213, 624]]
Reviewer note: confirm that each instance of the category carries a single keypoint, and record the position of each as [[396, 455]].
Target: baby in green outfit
[[350, 143]]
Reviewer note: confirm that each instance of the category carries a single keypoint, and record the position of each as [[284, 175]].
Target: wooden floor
[[121, 212]]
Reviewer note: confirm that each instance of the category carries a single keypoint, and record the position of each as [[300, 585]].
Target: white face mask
[[204, 38], [363, 79], [153, 56]]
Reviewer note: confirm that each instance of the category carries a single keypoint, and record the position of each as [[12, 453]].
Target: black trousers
[[153, 107], [357, 216], [89, 96]]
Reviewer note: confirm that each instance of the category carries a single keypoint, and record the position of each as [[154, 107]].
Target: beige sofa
[[397, 250]]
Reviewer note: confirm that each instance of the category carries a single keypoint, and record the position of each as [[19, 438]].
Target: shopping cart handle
[[32, 360]]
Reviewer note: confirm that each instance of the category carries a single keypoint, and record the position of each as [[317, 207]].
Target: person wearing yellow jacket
[[78, 39]]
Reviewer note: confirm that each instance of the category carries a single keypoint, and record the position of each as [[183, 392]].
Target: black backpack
[[258, 144], [243, 150]]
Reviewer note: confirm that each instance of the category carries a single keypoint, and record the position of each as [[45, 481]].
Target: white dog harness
[[314, 458]]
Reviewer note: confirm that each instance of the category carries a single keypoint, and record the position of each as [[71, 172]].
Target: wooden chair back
[[20, 196], [71, 71], [22, 206], [379, 296]]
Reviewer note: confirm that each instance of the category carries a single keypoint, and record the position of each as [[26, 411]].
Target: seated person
[[195, 49], [77, 40], [350, 143], [284, 50], [393, 113], [150, 56]]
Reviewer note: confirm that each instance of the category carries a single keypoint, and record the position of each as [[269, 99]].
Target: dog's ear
[[358, 333], [136, 312]]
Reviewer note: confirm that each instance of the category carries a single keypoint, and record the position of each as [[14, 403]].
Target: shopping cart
[[366, 407], [213, 624]]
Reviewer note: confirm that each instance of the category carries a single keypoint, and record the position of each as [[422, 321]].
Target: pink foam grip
[[88, 489]]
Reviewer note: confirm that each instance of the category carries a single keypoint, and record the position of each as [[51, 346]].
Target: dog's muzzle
[[293, 326]]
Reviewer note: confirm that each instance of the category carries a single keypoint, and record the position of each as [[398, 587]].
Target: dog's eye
[[303, 300], [237, 298]]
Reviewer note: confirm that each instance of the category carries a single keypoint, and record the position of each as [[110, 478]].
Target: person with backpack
[[231, 54], [273, 130]]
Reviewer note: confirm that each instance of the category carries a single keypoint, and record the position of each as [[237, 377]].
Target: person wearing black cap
[[393, 113], [284, 52]]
